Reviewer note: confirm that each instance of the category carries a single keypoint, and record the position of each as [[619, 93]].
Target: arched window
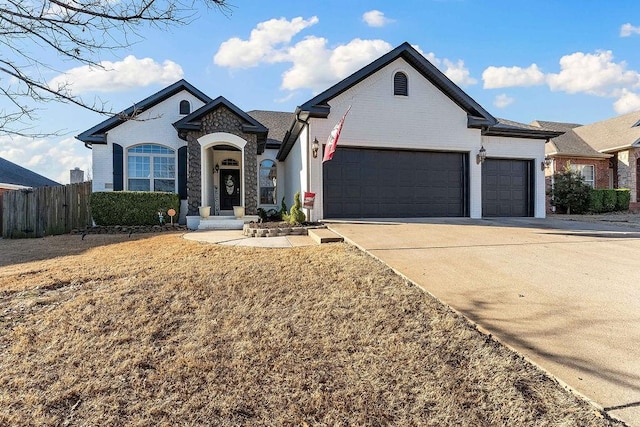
[[151, 167], [185, 107], [268, 178], [400, 84]]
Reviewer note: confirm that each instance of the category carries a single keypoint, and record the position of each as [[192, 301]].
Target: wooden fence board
[[45, 211]]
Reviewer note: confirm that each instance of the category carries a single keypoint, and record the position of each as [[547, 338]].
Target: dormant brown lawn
[[156, 330]]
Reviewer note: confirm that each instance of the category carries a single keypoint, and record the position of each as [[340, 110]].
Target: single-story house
[[413, 145], [15, 177], [605, 152]]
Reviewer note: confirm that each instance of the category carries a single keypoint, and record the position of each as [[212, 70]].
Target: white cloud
[[628, 102], [315, 66], [129, 73], [53, 159], [263, 43], [501, 77], [375, 18], [503, 100], [455, 71], [592, 73], [627, 30]]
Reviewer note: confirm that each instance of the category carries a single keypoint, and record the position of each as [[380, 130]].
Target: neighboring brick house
[[414, 145], [570, 150], [606, 152]]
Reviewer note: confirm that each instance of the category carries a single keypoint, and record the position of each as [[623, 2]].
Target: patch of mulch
[[283, 224]]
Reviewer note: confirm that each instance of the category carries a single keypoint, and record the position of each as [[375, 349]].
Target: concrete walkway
[[236, 238], [565, 294]]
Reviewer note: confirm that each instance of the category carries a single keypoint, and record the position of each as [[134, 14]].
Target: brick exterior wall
[[222, 120], [601, 170]]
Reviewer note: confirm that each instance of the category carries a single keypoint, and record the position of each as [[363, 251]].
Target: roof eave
[[521, 133]]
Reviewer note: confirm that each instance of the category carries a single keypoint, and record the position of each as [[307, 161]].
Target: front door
[[229, 189]]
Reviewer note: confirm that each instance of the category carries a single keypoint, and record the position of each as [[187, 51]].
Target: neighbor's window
[[400, 84], [151, 167], [587, 172], [268, 178], [185, 107]]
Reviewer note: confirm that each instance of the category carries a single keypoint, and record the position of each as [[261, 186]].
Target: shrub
[[595, 201], [132, 207], [623, 197], [570, 194], [609, 200], [295, 216]]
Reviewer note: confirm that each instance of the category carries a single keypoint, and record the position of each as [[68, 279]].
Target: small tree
[[570, 194]]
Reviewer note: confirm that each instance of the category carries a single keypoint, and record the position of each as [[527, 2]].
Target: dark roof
[[318, 106], [277, 122], [96, 135], [250, 125], [510, 128], [10, 173]]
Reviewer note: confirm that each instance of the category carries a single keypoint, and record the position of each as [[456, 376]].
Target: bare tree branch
[[78, 31]]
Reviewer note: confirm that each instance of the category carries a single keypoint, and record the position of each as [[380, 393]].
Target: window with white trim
[[267, 179], [587, 172], [151, 167]]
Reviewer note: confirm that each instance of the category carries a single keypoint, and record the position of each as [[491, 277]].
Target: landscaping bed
[[278, 228]]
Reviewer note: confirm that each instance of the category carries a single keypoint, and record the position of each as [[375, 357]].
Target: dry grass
[[163, 331]]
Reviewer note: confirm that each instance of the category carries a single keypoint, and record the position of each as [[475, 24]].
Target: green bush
[[623, 197], [295, 216], [132, 207], [609, 200], [570, 194], [595, 201]]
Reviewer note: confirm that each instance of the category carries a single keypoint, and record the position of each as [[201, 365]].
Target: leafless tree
[[78, 31]]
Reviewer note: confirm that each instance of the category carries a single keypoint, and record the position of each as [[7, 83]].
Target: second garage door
[[372, 183], [507, 188]]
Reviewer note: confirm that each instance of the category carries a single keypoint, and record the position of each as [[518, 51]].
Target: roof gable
[[249, 125], [97, 134], [13, 174], [478, 117], [193, 120]]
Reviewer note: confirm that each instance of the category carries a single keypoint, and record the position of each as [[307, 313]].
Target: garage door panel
[[507, 186], [394, 184]]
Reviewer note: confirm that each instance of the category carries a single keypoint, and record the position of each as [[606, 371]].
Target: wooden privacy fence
[[45, 211]]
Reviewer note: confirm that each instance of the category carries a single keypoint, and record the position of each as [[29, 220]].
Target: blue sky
[[572, 61]]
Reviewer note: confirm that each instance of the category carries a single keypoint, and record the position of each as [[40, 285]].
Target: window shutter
[[118, 161], [182, 173], [400, 84]]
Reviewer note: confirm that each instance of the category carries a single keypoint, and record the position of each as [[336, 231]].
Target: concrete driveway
[[565, 294]]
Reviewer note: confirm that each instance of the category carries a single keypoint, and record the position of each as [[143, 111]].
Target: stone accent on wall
[[222, 119], [194, 182]]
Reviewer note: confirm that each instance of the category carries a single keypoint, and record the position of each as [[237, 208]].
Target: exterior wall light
[[315, 146], [216, 169], [545, 164], [482, 155]]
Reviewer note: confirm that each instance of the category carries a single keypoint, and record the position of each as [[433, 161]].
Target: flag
[[332, 141]]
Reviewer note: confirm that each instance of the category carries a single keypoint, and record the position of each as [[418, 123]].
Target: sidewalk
[[236, 238]]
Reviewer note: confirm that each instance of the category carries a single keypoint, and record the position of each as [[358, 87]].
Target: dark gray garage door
[[507, 187], [371, 183]]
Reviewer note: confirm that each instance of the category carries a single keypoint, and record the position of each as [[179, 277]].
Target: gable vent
[[400, 84]]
